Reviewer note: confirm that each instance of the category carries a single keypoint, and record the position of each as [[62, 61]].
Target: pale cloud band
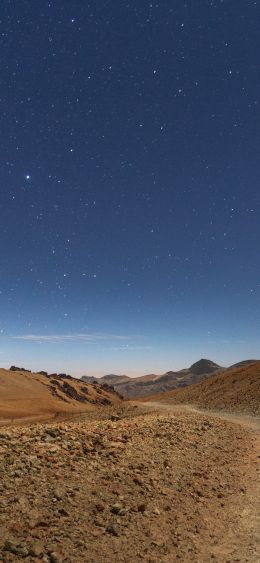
[[88, 337]]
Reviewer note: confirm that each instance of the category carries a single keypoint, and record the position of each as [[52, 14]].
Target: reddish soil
[[146, 483]]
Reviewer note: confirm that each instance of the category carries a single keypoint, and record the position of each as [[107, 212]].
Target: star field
[[129, 183]]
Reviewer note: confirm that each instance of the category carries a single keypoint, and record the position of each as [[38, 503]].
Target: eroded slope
[[235, 390], [25, 395]]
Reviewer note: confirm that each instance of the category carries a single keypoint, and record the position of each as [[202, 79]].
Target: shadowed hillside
[[236, 389]]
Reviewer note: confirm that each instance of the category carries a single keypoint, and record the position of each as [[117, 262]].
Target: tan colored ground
[[233, 390], [158, 484], [27, 395]]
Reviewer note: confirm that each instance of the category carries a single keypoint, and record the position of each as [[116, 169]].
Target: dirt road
[[149, 483], [248, 529], [248, 421]]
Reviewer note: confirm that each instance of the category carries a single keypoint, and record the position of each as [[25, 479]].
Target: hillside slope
[[25, 394], [235, 389]]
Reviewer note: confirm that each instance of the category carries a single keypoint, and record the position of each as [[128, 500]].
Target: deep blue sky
[[130, 180]]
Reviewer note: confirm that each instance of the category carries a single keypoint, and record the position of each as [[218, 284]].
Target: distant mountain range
[[131, 387]]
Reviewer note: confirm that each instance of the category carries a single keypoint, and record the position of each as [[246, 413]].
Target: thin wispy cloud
[[126, 348], [78, 337]]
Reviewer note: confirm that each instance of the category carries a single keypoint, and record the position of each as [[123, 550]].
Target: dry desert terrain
[[129, 482]]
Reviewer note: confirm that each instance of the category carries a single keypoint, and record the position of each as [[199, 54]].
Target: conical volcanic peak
[[204, 366]]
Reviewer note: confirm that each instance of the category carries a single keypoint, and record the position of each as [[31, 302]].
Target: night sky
[[130, 184]]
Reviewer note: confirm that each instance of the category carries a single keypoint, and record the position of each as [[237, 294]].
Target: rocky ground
[[140, 484]]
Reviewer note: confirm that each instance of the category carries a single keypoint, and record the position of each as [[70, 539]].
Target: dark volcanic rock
[[72, 393], [15, 368]]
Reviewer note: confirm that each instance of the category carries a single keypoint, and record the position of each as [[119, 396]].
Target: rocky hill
[[24, 395], [244, 363], [236, 389], [110, 379], [204, 367]]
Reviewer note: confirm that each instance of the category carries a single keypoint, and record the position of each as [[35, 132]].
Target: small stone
[[98, 522], [54, 557], [58, 494], [100, 507], [156, 511], [116, 508], [10, 546], [138, 481], [54, 449], [4, 436], [22, 551], [52, 432], [116, 445], [36, 550], [157, 543], [113, 530], [142, 508], [63, 512]]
